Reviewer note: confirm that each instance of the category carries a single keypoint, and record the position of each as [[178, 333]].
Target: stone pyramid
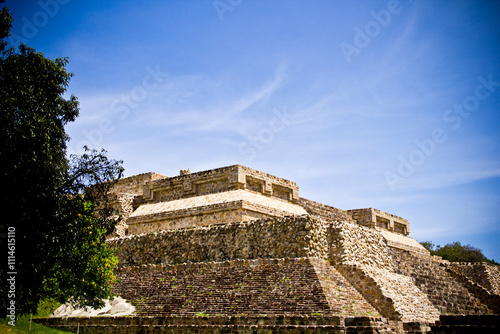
[[234, 248]]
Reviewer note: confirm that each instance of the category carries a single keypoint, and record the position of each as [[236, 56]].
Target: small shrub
[[202, 314], [46, 307]]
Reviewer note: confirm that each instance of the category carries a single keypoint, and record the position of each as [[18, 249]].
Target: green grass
[[45, 308], [23, 326]]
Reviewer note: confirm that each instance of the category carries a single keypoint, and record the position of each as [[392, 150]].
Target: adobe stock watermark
[[11, 275], [31, 26], [454, 117], [121, 107], [255, 144], [223, 6], [371, 30]]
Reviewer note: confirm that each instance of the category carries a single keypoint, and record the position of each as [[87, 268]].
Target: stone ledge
[[486, 320], [454, 324], [218, 198], [404, 242], [296, 322], [313, 324], [292, 236]]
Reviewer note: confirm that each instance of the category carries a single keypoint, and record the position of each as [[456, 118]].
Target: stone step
[[148, 325], [152, 329]]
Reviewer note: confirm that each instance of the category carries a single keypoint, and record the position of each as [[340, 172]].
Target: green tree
[[5, 25], [456, 252], [428, 245], [55, 206]]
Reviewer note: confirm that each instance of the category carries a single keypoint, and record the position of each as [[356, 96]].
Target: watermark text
[[453, 117], [223, 6], [371, 30], [255, 144], [31, 26], [11, 275]]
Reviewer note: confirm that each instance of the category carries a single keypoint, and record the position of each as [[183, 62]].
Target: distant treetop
[[456, 252]]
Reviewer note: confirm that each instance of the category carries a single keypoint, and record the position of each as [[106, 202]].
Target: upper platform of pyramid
[[153, 202]]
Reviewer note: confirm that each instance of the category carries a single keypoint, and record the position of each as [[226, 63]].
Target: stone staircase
[[298, 295], [395, 295], [492, 301], [485, 274], [272, 288], [447, 294]]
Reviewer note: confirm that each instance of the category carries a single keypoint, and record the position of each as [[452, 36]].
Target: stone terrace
[[154, 202], [361, 254], [210, 209], [218, 180]]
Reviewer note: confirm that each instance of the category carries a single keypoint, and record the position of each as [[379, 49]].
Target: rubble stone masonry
[[358, 252]]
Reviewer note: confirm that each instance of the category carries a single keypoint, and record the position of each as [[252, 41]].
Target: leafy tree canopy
[[456, 252], [54, 212]]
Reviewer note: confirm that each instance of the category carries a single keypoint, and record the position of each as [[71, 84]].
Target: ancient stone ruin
[[234, 249]]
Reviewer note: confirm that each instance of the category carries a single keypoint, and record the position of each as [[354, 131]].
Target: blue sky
[[386, 104]]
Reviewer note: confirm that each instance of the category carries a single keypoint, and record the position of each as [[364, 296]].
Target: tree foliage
[[57, 205], [456, 252], [5, 25]]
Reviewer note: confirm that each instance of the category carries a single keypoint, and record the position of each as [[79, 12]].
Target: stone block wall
[[195, 217], [295, 236], [302, 236], [362, 255], [379, 219], [407, 299], [353, 244], [123, 204], [134, 184], [323, 211]]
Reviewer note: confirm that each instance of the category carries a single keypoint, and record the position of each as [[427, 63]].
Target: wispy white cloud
[[224, 116], [350, 122], [448, 179], [196, 104]]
